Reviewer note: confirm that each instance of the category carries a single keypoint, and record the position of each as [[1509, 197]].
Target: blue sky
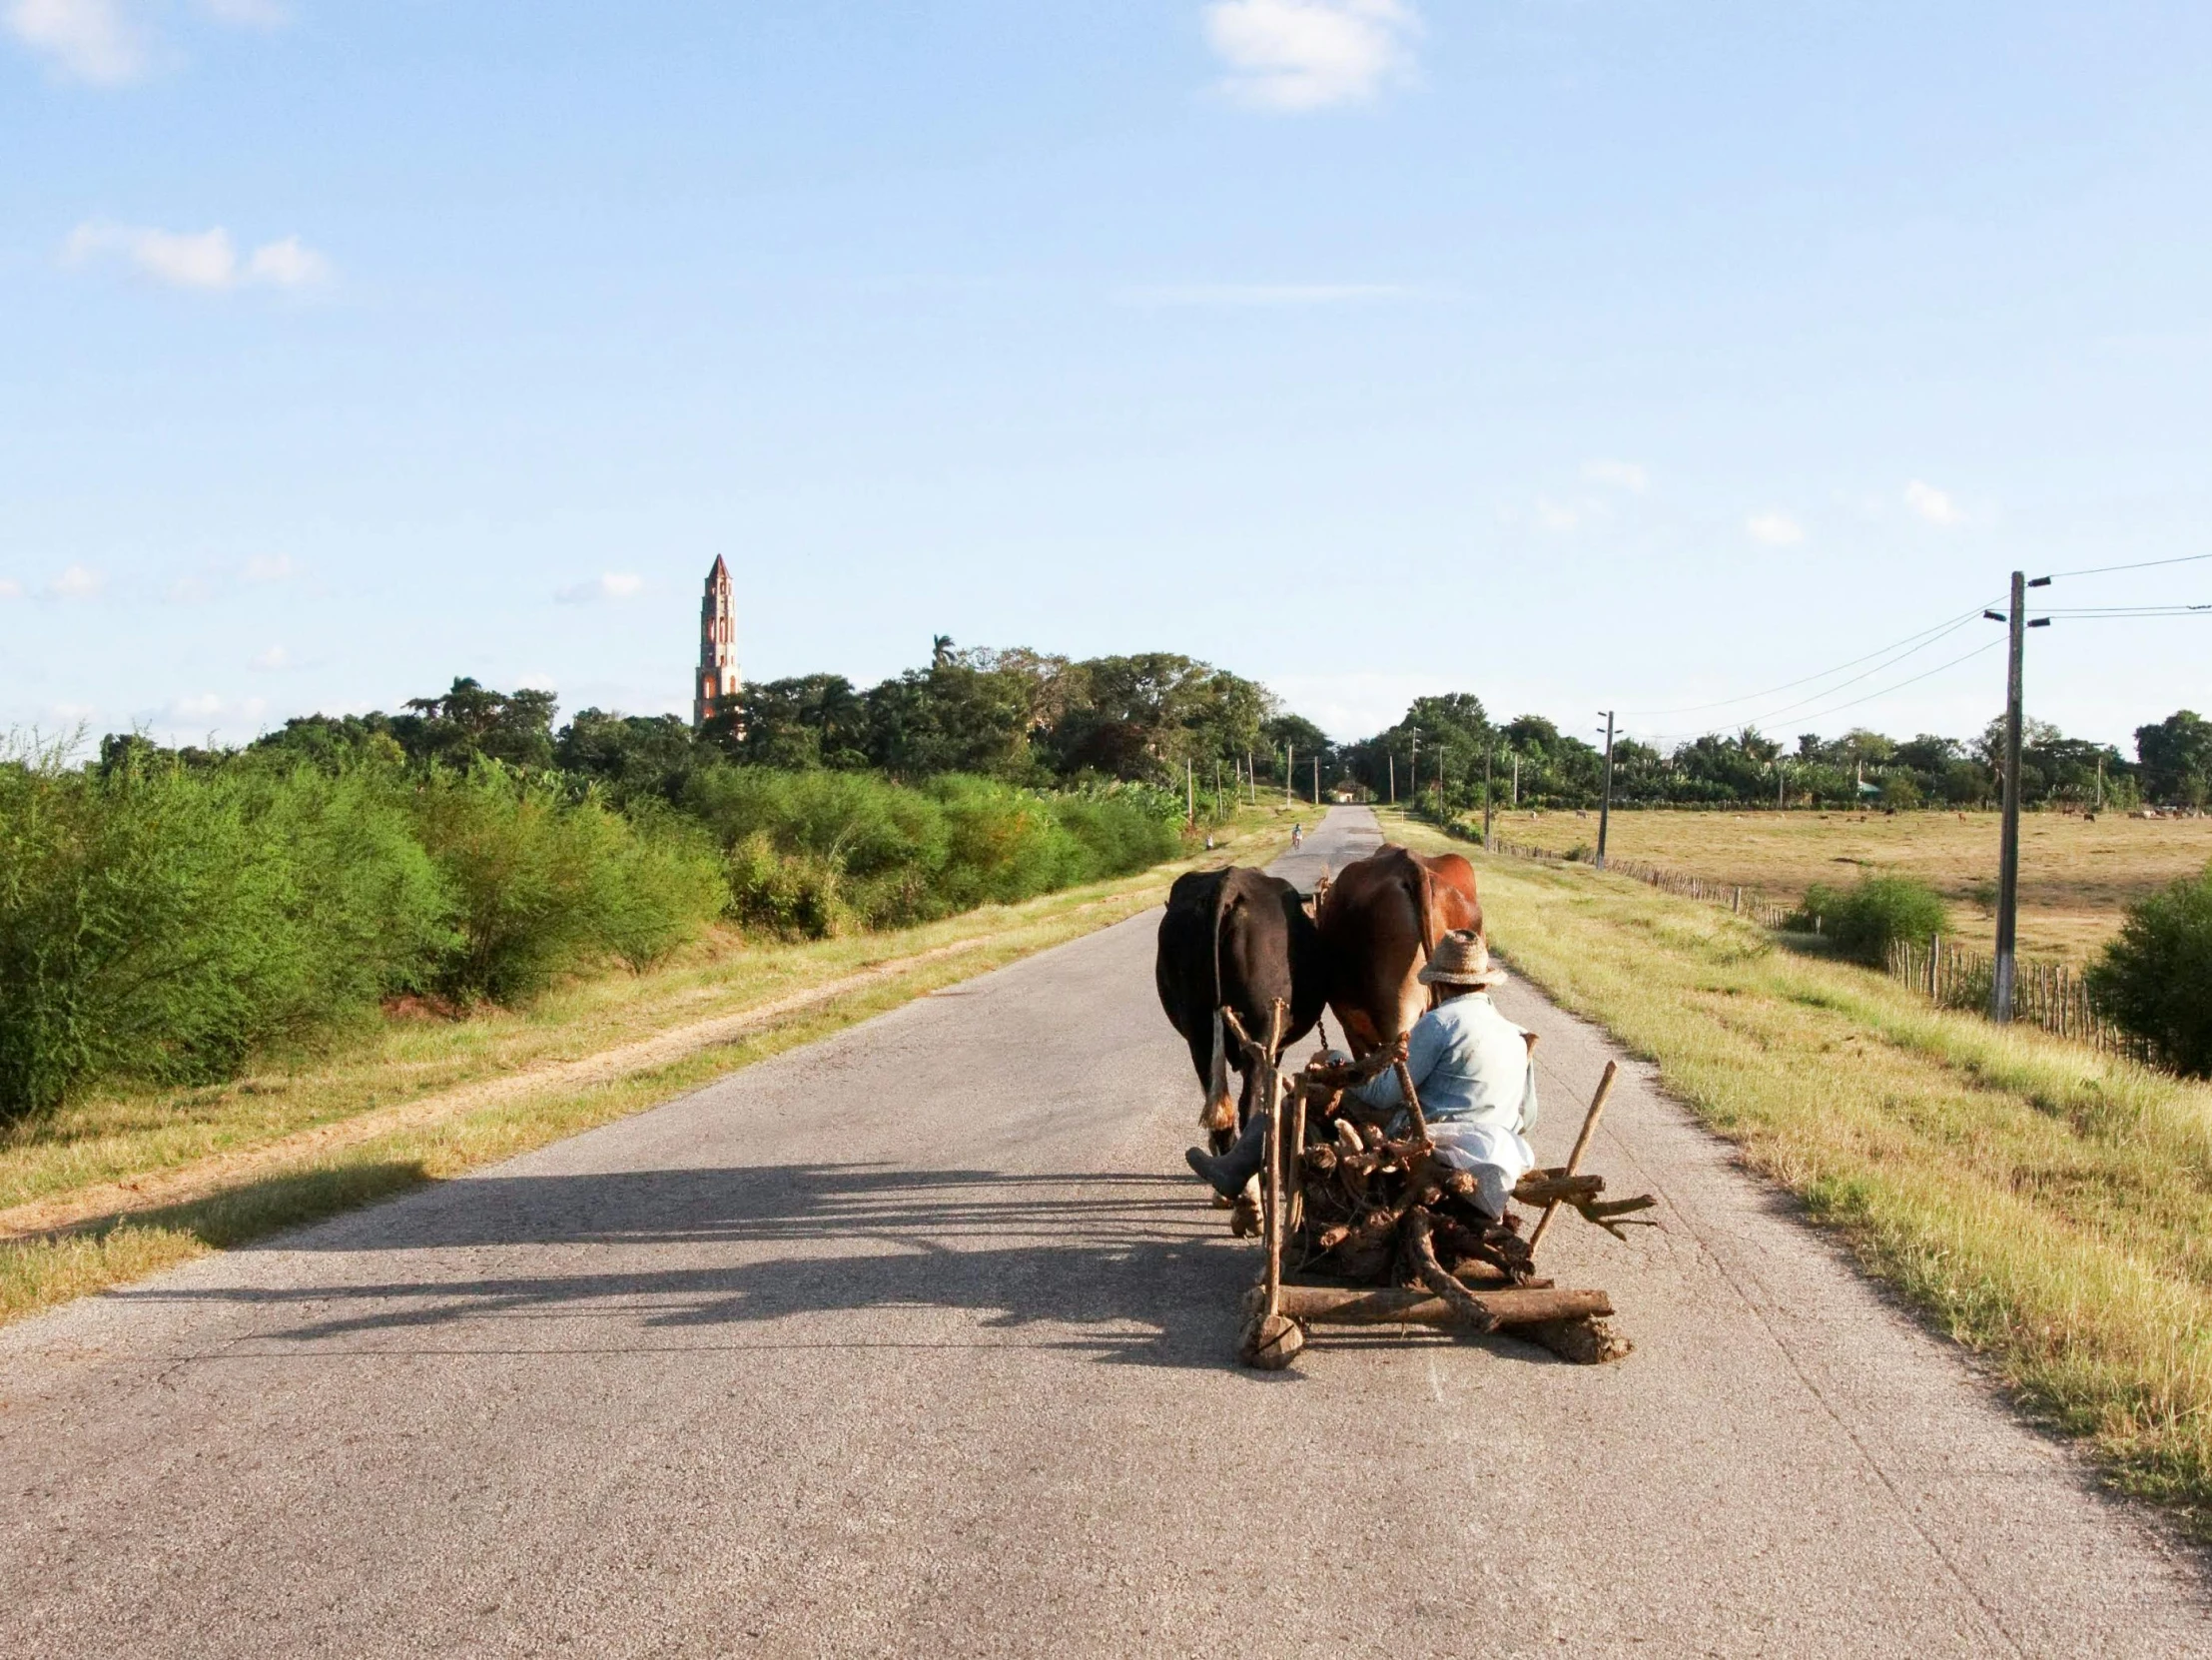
[[1573, 352]]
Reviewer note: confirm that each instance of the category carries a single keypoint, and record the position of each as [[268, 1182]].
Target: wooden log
[[1582, 1145], [1412, 1099], [1514, 1306], [1540, 1188], [1469, 1309]]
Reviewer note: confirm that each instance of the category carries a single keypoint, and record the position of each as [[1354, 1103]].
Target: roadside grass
[[2048, 1206], [2076, 877], [143, 1137]]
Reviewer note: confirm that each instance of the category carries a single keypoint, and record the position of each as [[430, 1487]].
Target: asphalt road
[[918, 1342]]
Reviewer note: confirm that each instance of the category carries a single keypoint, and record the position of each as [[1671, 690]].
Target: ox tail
[[1424, 904], [1220, 1106]]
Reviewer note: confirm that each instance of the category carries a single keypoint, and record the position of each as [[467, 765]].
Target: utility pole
[[1605, 808], [1780, 781], [1516, 780], [1489, 761], [1289, 772], [2100, 783], [1393, 762], [1316, 781], [2009, 846], [1189, 793], [1217, 814], [1251, 778]]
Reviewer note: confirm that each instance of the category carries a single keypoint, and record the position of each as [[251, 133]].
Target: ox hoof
[[1245, 1220], [1219, 1116]]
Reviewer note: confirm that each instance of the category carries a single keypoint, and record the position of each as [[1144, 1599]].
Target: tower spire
[[718, 646]]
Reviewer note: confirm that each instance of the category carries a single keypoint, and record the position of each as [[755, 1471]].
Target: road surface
[[917, 1341]]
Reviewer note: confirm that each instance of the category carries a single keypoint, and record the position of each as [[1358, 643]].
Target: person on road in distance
[[1473, 1069], [1297, 837]]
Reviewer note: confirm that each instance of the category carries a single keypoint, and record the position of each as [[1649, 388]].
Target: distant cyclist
[[1297, 837]]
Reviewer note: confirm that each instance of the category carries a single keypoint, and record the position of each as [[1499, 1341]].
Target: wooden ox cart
[[1361, 1228]]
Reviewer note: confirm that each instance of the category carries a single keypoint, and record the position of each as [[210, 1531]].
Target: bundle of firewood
[[1392, 1232]]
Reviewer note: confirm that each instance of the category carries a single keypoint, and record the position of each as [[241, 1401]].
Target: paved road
[[916, 1341]]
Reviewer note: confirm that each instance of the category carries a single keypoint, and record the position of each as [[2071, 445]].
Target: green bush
[[163, 923], [1865, 919], [815, 853], [547, 886], [2155, 979]]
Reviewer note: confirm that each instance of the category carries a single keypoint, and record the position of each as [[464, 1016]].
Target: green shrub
[[1865, 919], [547, 886], [814, 853], [792, 895], [2155, 979], [163, 923]]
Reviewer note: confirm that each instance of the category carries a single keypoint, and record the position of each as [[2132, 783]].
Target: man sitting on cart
[[1474, 1070]]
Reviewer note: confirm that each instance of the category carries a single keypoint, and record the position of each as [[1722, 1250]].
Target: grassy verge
[[109, 1144], [2046, 1206]]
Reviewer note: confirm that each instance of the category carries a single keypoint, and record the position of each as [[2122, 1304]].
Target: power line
[[2146, 564], [2088, 612], [1819, 714], [1804, 704], [1920, 641]]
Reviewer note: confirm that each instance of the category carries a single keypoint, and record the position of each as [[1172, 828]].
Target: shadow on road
[[1130, 1268]]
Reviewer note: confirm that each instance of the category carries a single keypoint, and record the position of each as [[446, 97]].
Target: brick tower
[[717, 646]]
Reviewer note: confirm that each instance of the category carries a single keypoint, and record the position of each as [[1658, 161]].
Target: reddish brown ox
[[1379, 919]]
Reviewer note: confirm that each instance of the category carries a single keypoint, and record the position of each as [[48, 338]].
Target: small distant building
[[718, 646]]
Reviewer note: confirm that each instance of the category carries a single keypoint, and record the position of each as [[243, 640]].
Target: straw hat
[[1461, 959]]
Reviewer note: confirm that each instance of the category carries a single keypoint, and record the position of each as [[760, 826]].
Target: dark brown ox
[[1379, 919], [1239, 939]]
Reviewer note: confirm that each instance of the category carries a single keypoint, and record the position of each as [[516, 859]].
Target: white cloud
[[247, 14], [287, 264], [10, 588], [269, 567], [1626, 475], [616, 584], [274, 659], [1267, 294], [77, 582], [87, 40], [1308, 54], [195, 708], [1932, 505], [1774, 529], [106, 43], [198, 258], [1555, 517]]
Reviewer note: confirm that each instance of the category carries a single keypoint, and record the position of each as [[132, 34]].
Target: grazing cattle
[[1237, 938], [1380, 921]]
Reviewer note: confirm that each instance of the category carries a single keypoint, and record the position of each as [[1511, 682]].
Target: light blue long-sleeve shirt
[[1469, 1064]]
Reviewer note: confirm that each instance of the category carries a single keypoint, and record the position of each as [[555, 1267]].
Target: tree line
[[1445, 748]]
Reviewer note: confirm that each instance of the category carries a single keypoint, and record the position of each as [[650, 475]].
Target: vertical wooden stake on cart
[[1582, 1145], [1272, 1285]]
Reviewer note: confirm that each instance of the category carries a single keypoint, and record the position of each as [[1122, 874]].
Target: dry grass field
[[2075, 876], [2047, 1205]]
